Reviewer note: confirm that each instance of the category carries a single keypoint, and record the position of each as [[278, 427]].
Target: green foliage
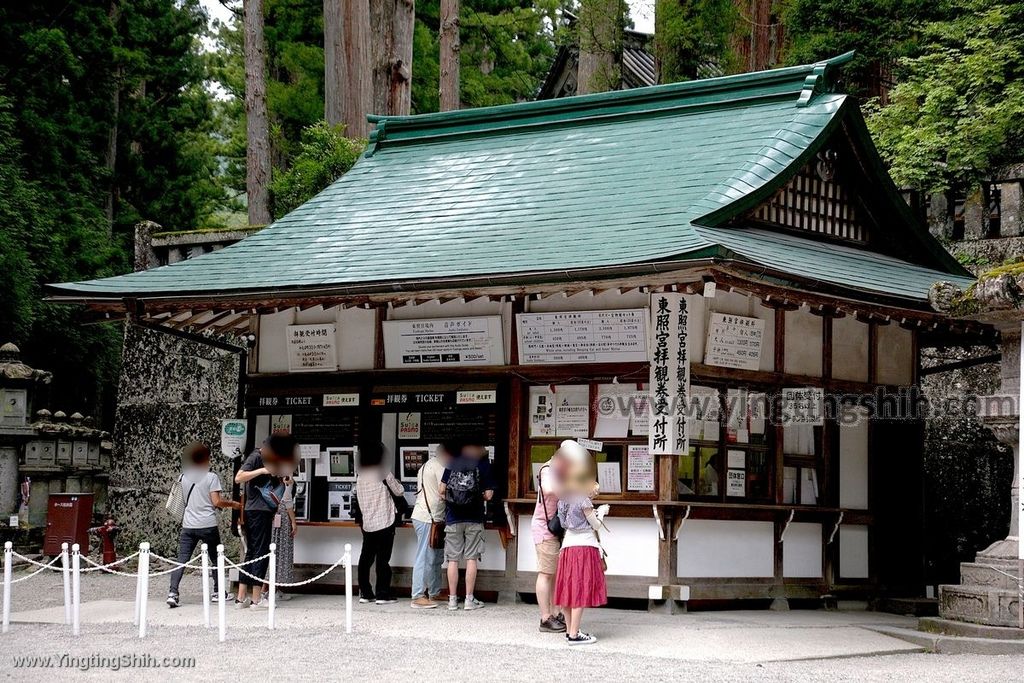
[[881, 31], [691, 34], [76, 76], [325, 154], [959, 112]]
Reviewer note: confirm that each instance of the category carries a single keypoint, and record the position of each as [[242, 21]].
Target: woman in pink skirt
[[580, 583]]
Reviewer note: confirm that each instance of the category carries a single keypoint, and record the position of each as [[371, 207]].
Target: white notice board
[[618, 336], [734, 341], [443, 342], [312, 348]]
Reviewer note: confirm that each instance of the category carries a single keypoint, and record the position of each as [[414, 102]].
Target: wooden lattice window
[[815, 201]]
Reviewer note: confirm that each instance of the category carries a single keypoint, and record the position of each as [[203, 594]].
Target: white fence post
[[272, 585], [8, 558], [348, 588], [143, 587], [206, 585], [221, 625], [138, 586], [76, 588], [65, 566]]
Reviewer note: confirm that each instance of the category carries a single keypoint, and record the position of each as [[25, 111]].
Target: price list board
[[618, 336]]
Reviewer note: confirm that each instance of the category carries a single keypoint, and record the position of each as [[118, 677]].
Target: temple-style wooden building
[[510, 274]]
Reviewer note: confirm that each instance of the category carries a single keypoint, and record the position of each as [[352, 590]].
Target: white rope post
[[138, 587], [348, 588], [272, 585], [221, 625], [65, 567], [76, 587], [143, 587], [206, 586], [8, 558]]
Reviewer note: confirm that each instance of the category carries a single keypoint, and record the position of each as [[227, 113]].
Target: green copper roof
[[588, 182]]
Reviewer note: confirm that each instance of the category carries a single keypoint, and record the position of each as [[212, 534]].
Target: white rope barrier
[[70, 567]]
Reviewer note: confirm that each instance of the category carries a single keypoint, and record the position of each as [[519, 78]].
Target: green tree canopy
[[325, 154], [959, 112]]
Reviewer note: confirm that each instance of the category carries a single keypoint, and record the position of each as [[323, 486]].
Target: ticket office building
[[490, 275]]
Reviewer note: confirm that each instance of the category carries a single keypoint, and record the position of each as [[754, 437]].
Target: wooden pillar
[[667, 556]]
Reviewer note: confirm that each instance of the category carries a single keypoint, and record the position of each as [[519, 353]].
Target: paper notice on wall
[[736, 483], [323, 465], [312, 348], [409, 426], [542, 412], [640, 413], [736, 459], [613, 410], [803, 406], [640, 472], [309, 450], [734, 341], [609, 477], [572, 421], [232, 437], [280, 423]]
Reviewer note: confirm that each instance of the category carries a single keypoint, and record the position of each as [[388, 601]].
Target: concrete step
[[974, 574], [953, 645], [917, 607], [946, 627], [979, 605]]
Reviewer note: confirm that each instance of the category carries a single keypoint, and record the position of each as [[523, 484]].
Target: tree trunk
[[391, 24], [110, 156], [449, 90], [600, 31], [257, 154], [334, 68]]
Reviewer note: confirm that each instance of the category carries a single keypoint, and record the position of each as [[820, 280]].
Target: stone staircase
[[989, 592]]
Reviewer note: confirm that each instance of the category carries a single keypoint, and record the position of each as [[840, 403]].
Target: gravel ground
[[499, 643]]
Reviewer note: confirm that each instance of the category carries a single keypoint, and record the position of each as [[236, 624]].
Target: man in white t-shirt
[[201, 489], [430, 507]]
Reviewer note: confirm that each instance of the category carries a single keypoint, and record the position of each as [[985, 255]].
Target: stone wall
[[172, 391]]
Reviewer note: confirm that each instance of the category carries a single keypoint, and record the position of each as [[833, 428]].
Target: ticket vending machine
[[341, 477]]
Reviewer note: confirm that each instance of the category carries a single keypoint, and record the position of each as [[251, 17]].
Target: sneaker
[[262, 604], [241, 604], [580, 638], [216, 597], [423, 602], [440, 597], [551, 625], [472, 603], [453, 603], [283, 597], [560, 618], [172, 600], [365, 601], [386, 601]]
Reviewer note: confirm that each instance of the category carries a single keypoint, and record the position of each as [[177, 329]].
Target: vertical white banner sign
[[669, 376]]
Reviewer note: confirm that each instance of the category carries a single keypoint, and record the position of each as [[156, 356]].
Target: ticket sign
[[312, 348], [618, 336], [444, 342], [734, 341]]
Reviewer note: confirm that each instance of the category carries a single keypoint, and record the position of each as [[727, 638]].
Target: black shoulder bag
[[554, 523]]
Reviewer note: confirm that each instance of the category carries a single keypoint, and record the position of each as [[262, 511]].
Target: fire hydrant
[[107, 532]]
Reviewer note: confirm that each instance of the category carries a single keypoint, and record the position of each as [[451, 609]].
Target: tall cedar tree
[[63, 66], [692, 34]]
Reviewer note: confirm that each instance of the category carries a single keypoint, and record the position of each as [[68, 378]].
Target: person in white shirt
[[201, 489], [429, 509]]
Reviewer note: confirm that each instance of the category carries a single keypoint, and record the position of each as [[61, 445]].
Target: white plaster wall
[[724, 548], [853, 461], [801, 551], [356, 336], [853, 551], [526, 554], [324, 545], [895, 355], [632, 546], [849, 349], [608, 300], [803, 343]]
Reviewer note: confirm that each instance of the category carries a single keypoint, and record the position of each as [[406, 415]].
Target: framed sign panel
[[444, 342], [618, 336]]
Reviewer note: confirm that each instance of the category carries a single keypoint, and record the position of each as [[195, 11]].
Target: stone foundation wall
[[172, 391]]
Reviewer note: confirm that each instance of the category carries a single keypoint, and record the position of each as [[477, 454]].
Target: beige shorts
[[547, 556], [463, 541]]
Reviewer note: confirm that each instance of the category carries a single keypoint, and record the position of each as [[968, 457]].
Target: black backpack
[[463, 487]]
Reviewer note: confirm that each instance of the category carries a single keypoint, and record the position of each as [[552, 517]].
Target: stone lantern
[[988, 592], [19, 386]]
